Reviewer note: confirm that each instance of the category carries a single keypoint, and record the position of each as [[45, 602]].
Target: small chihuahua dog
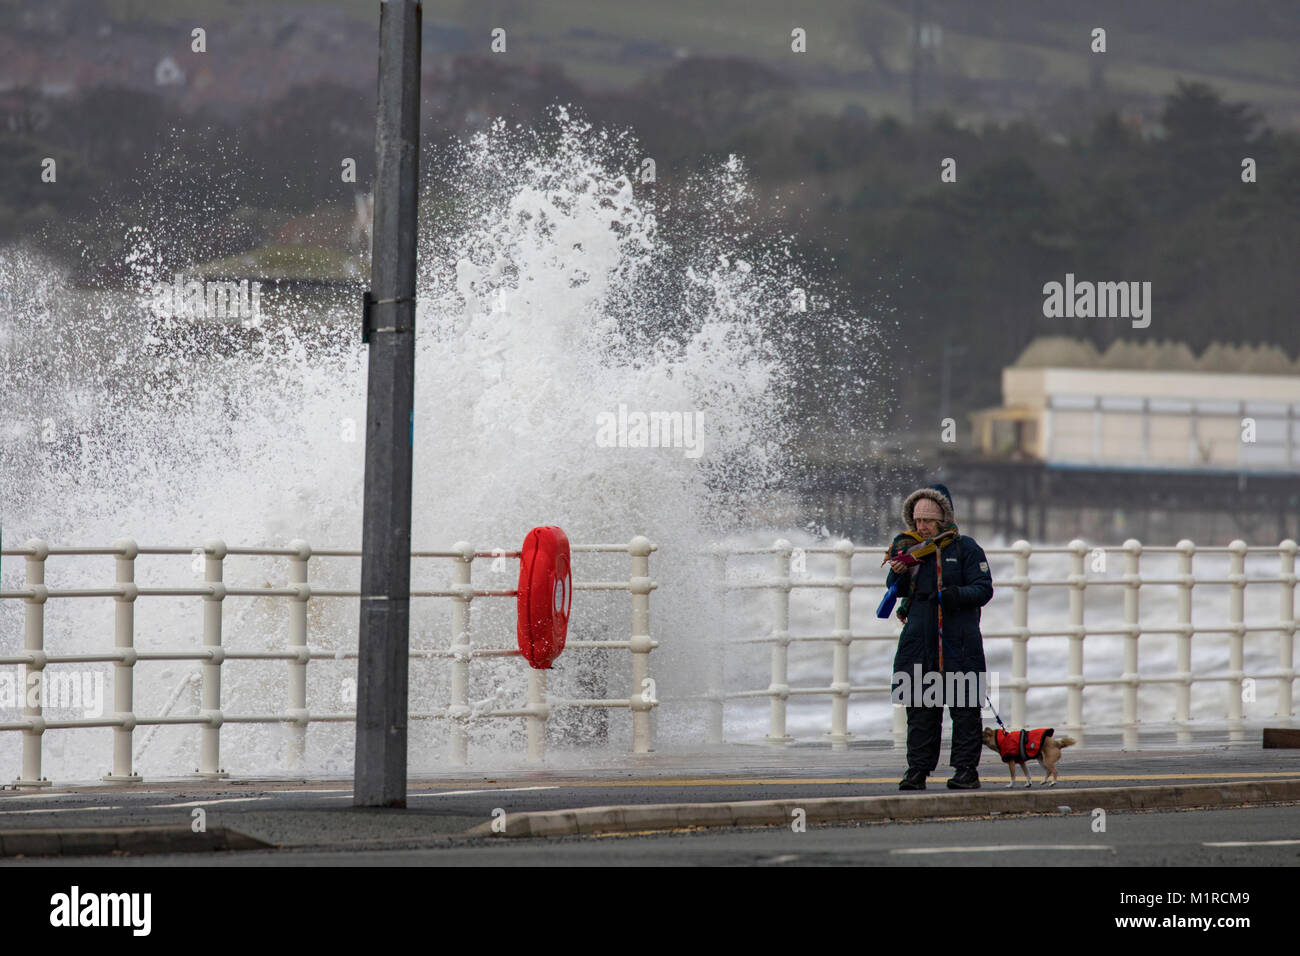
[[1017, 748]]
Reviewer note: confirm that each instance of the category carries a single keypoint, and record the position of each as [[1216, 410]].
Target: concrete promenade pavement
[[579, 793]]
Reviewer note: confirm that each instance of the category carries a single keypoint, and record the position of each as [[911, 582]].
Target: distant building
[[1148, 406]]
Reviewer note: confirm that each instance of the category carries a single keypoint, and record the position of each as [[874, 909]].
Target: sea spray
[[555, 292]]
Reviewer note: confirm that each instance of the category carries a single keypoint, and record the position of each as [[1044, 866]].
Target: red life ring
[[545, 596]]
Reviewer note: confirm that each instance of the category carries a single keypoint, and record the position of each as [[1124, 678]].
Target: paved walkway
[[671, 787]]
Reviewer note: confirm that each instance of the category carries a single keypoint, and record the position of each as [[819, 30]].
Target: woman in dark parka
[[956, 582]]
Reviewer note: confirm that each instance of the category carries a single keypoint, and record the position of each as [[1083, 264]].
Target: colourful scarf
[[923, 548]]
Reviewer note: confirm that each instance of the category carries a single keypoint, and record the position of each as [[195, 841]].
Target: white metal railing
[[212, 655], [780, 582]]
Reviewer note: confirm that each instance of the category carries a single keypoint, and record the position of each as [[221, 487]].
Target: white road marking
[[9, 813], [1255, 843], [1004, 848], [43, 796], [203, 803], [457, 793]]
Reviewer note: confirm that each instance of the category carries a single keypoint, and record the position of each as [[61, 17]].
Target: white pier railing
[[296, 712], [792, 569]]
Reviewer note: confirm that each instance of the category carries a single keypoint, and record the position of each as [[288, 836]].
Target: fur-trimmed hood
[[938, 497]]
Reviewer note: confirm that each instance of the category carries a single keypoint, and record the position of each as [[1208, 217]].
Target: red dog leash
[[938, 566]]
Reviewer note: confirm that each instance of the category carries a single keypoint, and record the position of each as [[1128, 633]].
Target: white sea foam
[[553, 294]]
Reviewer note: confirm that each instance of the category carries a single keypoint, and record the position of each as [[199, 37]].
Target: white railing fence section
[[787, 571], [300, 593], [781, 580]]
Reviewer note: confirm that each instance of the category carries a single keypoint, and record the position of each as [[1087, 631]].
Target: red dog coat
[[1022, 746]]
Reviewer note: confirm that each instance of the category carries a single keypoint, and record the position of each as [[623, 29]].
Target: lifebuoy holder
[[545, 596]]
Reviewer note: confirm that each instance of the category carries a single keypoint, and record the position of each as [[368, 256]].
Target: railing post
[[124, 668], [1020, 642], [1074, 675], [1183, 689], [1236, 635], [717, 686], [779, 689], [1132, 614], [34, 670], [210, 692], [462, 654], [299, 715], [538, 712], [844, 638], [1286, 636], [641, 701]]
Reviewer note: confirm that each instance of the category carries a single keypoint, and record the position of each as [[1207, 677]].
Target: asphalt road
[[323, 811], [1253, 837], [314, 822]]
